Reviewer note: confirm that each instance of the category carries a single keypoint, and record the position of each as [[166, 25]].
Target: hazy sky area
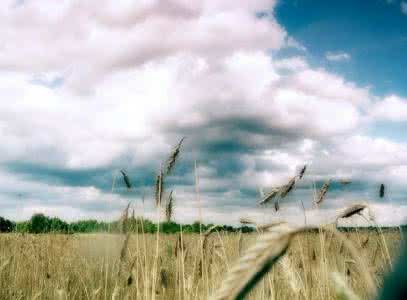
[[258, 88]]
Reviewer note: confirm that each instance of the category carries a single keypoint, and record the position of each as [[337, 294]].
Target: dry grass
[[102, 266]]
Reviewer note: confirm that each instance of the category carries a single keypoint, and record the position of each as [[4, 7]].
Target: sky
[[257, 88]]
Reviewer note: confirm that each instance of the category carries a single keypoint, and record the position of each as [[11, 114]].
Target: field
[[188, 266]]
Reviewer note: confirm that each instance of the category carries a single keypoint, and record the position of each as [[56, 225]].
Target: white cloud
[[391, 108], [327, 86], [90, 40], [22, 197], [291, 63], [385, 214], [367, 151], [337, 56], [99, 84]]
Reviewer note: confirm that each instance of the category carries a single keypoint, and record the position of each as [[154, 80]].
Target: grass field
[[151, 266]]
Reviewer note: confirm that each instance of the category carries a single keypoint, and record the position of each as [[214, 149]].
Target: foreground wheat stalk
[[268, 249], [257, 261], [343, 291]]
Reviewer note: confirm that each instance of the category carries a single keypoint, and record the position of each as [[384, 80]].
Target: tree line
[[40, 223]]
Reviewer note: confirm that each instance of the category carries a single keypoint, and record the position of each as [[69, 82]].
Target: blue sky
[[373, 33], [258, 88]]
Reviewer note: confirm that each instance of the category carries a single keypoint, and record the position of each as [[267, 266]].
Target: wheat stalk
[[345, 181], [381, 191], [179, 245], [302, 172], [343, 291], [292, 276], [125, 218], [173, 157], [159, 188], [246, 221], [169, 207], [261, 257], [322, 192], [351, 211], [126, 179], [268, 226], [288, 187], [282, 191], [207, 234], [254, 264], [270, 196]]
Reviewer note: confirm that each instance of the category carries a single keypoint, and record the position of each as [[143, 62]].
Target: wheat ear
[[254, 264], [173, 157], [261, 257]]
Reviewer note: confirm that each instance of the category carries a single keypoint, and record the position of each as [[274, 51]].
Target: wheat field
[[186, 266]]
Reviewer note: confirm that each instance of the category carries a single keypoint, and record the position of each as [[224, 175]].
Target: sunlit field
[[188, 266]]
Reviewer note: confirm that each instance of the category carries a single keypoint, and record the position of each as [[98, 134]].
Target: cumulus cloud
[[90, 88], [90, 40], [337, 56], [22, 197], [292, 63], [391, 108]]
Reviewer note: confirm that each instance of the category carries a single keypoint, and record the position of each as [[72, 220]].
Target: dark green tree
[[196, 226], [57, 225], [39, 223], [6, 225], [170, 227]]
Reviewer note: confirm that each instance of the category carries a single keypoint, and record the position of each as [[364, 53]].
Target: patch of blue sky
[[395, 131], [52, 83], [373, 33]]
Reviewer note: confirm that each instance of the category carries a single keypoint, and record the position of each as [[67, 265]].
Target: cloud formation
[[93, 39], [391, 108], [90, 88]]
